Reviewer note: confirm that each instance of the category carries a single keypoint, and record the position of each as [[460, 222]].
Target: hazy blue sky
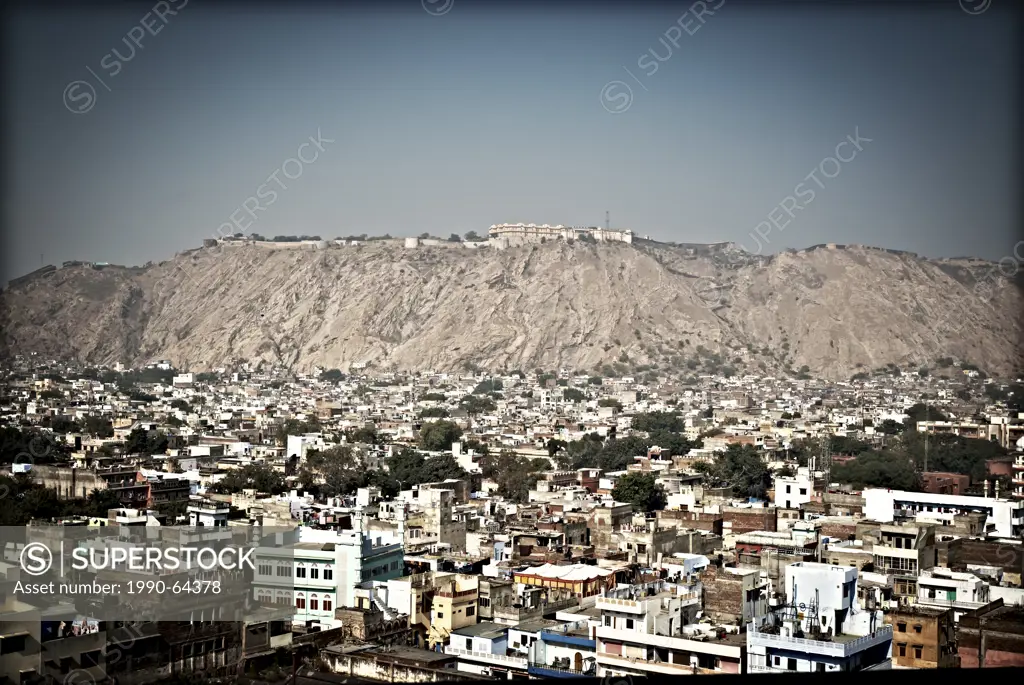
[[451, 123]]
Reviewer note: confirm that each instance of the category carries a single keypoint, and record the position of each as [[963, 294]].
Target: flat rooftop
[[487, 630]]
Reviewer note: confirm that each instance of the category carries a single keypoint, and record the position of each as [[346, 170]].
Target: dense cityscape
[[535, 523]]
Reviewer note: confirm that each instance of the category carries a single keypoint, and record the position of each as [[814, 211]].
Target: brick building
[[923, 637], [941, 483], [992, 637]]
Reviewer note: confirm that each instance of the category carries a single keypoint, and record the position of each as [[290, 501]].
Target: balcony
[[544, 671], [842, 646], [519, 662], [645, 666], [563, 638]]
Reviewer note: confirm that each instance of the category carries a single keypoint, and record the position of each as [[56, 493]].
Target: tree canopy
[[878, 470], [642, 491], [259, 477], [437, 436], [742, 468], [514, 474]]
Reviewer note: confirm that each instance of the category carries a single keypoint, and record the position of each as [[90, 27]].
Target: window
[[789, 489], [328, 574], [792, 665], [300, 571], [917, 651], [629, 624], [901, 627], [300, 602], [314, 603], [470, 611], [903, 650], [803, 491], [440, 614], [917, 628], [265, 570], [314, 573]]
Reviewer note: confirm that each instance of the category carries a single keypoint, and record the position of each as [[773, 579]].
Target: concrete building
[[535, 232], [1005, 517], [992, 637], [648, 630], [321, 572], [454, 606], [923, 637], [961, 592], [792, 491], [822, 628], [482, 649]]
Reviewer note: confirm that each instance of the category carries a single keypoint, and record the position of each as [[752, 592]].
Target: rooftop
[[486, 629]]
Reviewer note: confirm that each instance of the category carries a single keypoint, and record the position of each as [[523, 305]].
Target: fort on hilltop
[[514, 233]]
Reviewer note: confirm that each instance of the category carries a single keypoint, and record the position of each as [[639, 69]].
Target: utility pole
[[607, 221]]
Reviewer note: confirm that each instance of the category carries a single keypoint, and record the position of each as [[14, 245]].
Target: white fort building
[[534, 232]]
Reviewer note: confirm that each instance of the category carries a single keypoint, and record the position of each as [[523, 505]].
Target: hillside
[[547, 306]]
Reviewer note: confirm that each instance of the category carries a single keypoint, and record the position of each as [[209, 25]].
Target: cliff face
[[547, 306]]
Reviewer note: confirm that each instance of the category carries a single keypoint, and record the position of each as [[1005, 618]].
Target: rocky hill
[[581, 306]]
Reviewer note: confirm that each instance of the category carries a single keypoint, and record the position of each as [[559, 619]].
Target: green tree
[[890, 427], [475, 404], [642, 491], [366, 435], [259, 477], [471, 236], [923, 412], [434, 413], [742, 468], [98, 426], [514, 474], [436, 436], [454, 238], [609, 402], [573, 395], [334, 472], [141, 441], [878, 470]]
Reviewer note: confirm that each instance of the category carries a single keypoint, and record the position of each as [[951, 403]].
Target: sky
[[448, 116]]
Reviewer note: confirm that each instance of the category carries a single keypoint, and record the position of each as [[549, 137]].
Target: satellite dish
[[802, 605]]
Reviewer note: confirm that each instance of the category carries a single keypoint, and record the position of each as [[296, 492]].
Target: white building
[[961, 592], [321, 572], [823, 628], [793, 491], [536, 232], [1005, 517], [299, 445], [644, 634]]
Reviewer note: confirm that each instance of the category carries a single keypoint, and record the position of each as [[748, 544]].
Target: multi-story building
[[1018, 477], [321, 572], [564, 650], [648, 630], [900, 551], [923, 637], [1005, 518], [536, 232], [454, 606], [822, 628], [793, 491], [961, 592], [483, 649], [992, 637]]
